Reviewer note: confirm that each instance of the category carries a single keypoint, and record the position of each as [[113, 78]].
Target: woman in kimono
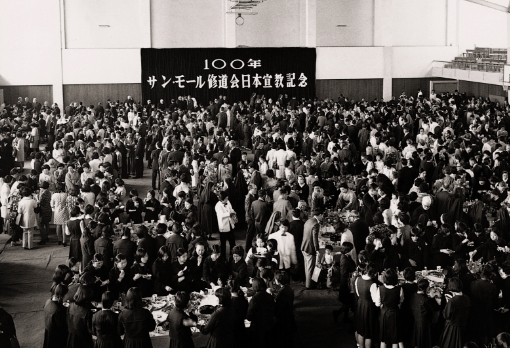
[[34, 137], [208, 199], [18, 146], [237, 195]]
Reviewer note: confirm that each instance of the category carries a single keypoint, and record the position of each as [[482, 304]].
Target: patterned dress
[[13, 206], [60, 211], [71, 202]]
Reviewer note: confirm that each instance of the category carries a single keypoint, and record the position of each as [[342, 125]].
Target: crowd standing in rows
[[424, 179]]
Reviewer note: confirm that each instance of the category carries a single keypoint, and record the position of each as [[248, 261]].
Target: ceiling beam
[[491, 5]]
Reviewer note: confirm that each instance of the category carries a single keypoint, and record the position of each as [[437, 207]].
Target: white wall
[[187, 23], [349, 63], [418, 61], [89, 66], [481, 26], [369, 62], [357, 15], [128, 21], [30, 42], [419, 22], [277, 24]]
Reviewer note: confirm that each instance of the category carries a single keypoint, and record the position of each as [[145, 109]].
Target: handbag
[[233, 220], [66, 230], [316, 273], [14, 343], [19, 219]]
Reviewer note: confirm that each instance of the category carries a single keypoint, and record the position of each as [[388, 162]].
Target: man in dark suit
[[370, 200], [306, 146], [123, 160], [176, 155], [222, 119], [235, 157], [310, 245], [406, 177], [249, 199], [99, 110], [296, 228], [360, 231], [37, 106], [256, 178], [260, 212], [69, 110], [220, 154]]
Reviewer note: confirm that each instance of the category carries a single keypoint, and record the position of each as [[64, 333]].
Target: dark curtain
[[198, 72]]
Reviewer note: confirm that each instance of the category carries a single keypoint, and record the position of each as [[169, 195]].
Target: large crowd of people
[[424, 180]]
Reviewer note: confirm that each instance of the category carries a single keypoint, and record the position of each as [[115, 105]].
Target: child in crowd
[[259, 249], [272, 255], [327, 261]]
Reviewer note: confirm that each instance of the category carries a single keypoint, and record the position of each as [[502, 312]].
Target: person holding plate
[[221, 324], [180, 323], [135, 322]]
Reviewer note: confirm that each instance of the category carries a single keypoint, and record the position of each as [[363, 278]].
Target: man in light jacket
[[286, 246], [27, 216], [225, 213]]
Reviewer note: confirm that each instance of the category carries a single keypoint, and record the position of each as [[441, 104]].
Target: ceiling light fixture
[[239, 19]]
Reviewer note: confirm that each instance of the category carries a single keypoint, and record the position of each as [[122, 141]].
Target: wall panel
[[352, 89], [411, 85], [42, 93], [92, 94], [476, 89]]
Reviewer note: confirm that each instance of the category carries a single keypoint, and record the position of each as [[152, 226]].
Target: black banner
[[206, 73]]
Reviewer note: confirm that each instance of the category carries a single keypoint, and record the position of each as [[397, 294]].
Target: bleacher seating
[[480, 59]]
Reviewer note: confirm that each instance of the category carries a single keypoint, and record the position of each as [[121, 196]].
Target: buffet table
[[201, 304]]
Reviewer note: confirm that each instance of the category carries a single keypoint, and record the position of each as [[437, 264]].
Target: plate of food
[[158, 304], [159, 316], [207, 309]]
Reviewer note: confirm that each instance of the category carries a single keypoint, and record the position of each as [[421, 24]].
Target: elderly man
[[426, 204]]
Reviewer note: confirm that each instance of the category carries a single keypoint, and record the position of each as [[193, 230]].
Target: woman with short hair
[[180, 323], [221, 324], [79, 319], [456, 314], [55, 320], [161, 272], [135, 322], [261, 312], [60, 211], [389, 297]]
